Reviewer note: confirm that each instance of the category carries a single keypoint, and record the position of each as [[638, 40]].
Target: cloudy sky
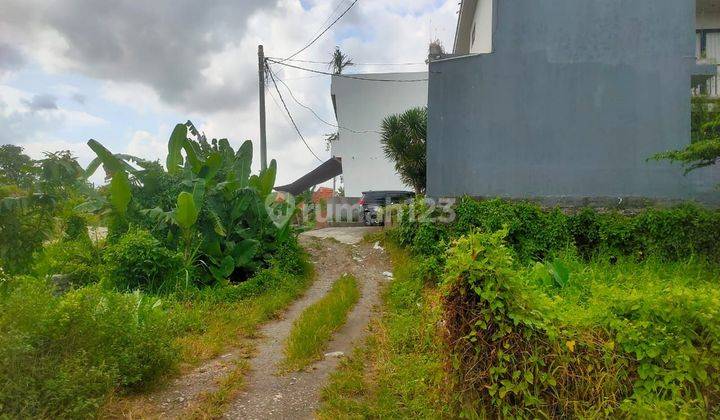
[[126, 71]]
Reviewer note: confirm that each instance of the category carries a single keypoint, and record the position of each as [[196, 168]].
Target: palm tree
[[404, 141], [339, 61]]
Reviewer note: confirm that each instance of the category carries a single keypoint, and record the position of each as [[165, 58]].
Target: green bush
[[603, 339], [535, 234], [138, 261], [76, 227], [78, 261], [289, 257], [24, 225], [62, 356]]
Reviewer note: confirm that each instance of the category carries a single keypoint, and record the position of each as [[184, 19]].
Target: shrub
[[535, 234], [75, 226], [78, 261], [24, 226], [289, 257], [62, 356], [137, 261], [609, 340]]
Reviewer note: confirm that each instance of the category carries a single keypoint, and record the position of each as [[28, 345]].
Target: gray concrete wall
[[574, 98]]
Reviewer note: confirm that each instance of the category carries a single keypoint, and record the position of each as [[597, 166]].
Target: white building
[[708, 39], [361, 103]]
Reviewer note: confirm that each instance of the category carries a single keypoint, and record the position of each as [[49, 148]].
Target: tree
[[403, 140], [339, 61], [704, 148], [16, 167]]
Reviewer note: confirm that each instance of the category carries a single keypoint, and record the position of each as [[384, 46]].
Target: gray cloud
[[79, 98], [10, 58], [164, 44], [41, 102]]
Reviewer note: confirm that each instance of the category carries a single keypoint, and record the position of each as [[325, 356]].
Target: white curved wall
[[362, 105]]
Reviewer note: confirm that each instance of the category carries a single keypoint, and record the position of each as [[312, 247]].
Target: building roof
[[326, 171]]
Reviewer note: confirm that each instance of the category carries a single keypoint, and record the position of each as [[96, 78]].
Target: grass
[[211, 323], [398, 373], [214, 404], [315, 326], [216, 325]]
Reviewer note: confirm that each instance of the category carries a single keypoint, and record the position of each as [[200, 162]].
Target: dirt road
[[267, 393], [273, 395]]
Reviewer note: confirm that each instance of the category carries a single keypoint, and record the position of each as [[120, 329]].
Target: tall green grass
[[316, 325], [60, 357], [64, 356], [574, 339], [398, 373]]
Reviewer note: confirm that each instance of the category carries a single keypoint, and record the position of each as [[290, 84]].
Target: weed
[[316, 325], [398, 373]]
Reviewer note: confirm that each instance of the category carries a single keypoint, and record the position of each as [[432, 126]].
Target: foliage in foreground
[[593, 344], [312, 331], [398, 373], [588, 314], [535, 234], [62, 356]]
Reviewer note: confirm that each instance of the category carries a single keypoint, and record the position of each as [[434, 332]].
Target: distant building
[[322, 194], [360, 107], [568, 98]]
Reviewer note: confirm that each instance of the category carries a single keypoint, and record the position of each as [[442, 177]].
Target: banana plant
[[220, 219], [116, 170]]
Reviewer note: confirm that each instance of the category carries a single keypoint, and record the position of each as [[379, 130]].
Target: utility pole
[[261, 79]]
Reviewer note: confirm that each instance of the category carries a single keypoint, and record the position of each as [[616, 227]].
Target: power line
[[330, 16], [354, 63], [321, 119], [347, 76], [272, 77], [323, 32]]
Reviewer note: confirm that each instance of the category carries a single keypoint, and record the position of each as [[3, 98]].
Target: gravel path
[[296, 395]]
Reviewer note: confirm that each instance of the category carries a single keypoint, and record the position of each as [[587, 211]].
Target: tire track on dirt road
[[269, 394]]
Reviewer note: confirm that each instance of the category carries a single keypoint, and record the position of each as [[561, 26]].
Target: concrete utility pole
[[261, 79]]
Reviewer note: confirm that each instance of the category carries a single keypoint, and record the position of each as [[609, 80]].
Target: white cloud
[[141, 98], [148, 146], [172, 57]]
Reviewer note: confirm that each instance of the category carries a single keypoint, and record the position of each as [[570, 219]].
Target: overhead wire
[[353, 63], [347, 76], [292, 120], [309, 44], [321, 119]]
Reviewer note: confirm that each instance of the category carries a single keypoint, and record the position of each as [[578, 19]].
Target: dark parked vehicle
[[374, 202]]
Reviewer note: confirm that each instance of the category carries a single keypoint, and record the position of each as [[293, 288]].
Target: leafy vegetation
[[60, 356], [399, 372], [218, 221], [535, 234], [192, 263], [403, 138], [645, 346], [315, 326], [137, 261], [704, 148], [585, 315]]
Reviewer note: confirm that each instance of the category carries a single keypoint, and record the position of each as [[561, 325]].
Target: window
[[708, 49]]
